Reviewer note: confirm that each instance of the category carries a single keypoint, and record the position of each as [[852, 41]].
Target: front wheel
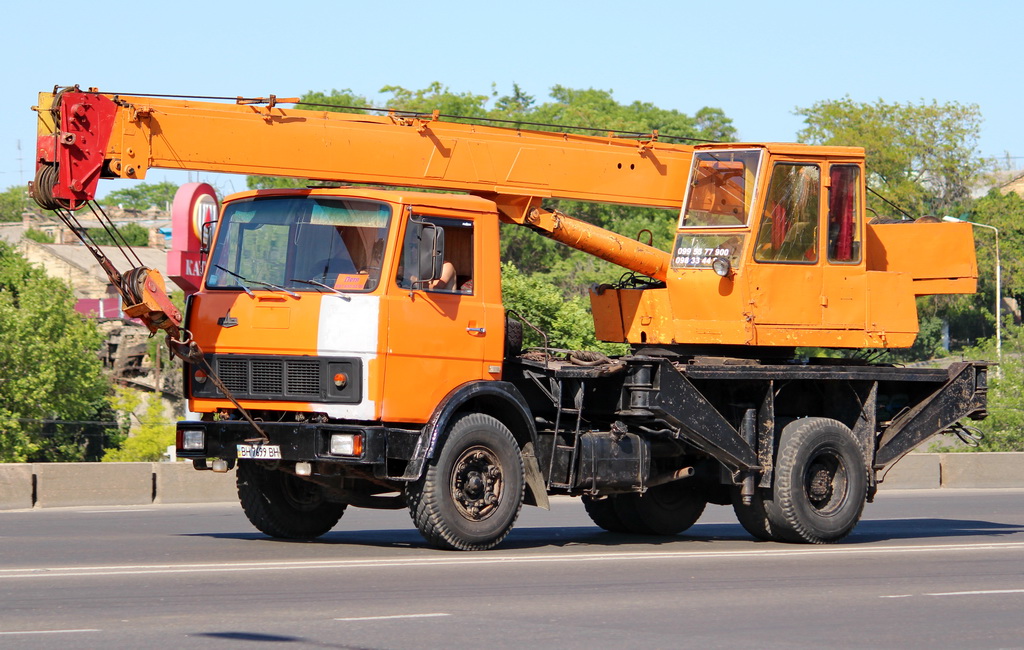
[[283, 505], [820, 482], [472, 491]]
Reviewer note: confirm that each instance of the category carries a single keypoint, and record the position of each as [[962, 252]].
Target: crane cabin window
[[844, 239], [721, 190], [303, 243], [788, 231]]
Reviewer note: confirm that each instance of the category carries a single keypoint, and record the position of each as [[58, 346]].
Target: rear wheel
[[667, 509], [754, 517], [471, 494], [282, 505], [602, 512], [820, 482]]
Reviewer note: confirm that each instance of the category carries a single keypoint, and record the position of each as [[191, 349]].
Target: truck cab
[[327, 305]]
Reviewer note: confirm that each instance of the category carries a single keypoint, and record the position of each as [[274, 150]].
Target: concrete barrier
[[914, 472], [987, 470], [16, 490], [46, 485], [93, 484], [179, 483]]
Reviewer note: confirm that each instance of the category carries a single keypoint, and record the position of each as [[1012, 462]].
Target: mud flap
[[536, 490]]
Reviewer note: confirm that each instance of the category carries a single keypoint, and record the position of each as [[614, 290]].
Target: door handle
[[477, 330]]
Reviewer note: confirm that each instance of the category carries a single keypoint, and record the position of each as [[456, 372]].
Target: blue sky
[[757, 61]]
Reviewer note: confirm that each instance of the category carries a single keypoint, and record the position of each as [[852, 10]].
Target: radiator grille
[[304, 377], [235, 374], [268, 377], [284, 378]]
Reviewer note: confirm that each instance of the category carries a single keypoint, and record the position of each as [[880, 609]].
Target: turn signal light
[[200, 376], [340, 380]]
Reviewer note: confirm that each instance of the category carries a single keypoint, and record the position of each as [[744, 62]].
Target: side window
[[844, 243], [457, 271], [788, 231]]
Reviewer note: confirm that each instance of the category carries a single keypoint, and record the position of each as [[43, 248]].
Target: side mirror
[[431, 252], [205, 235]]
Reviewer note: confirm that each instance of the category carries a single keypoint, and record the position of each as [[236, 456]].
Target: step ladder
[[566, 442]]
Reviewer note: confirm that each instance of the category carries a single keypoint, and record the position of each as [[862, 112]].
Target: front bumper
[[299, 441]]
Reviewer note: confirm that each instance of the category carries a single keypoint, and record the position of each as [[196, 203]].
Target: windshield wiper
[[321, 284], [243, 280]]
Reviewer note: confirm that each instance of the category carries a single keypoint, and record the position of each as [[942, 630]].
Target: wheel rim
[[670, 497], [477, 483], [301, 495], [826, 482]]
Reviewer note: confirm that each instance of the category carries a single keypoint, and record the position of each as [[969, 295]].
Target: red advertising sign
[[195, 205]]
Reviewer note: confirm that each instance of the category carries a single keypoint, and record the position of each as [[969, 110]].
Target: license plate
[[259, 451]]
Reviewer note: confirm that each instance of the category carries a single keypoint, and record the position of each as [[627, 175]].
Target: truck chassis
[[647, 440]]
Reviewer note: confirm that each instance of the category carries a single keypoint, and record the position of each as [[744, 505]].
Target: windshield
[[721, 188], [300, 244]]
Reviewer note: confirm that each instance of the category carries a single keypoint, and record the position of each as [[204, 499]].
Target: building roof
[[12, 232], [1015, 184], [79, 256]]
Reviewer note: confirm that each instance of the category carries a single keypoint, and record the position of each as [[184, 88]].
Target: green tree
[[437, 97], [923, 157], [132, 234], [515, 105], [13, 202], [143, 196], [972, 317], [567, 323], [1005, 212], [598, 109], [154, 435], [49, 369], [1003, 429]]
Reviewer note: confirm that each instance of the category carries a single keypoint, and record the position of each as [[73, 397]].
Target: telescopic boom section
[[599, 242], [89, 135]]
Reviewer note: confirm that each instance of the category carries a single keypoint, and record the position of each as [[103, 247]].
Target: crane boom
[[89, 135]]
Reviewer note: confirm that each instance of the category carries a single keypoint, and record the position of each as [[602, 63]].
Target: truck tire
[[667, 509], [513, 337], [471, 494], [602, 512], [282, 505], [754, 517], [820, 482]]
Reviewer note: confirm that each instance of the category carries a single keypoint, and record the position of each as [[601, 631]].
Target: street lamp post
[[999, 285]]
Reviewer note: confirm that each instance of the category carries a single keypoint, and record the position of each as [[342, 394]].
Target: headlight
[[346, 444], [193, 439]]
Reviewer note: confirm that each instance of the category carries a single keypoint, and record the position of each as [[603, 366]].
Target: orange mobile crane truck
[[348, 345]]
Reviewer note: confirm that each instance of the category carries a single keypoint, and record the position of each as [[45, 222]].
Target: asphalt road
[[923, 569]]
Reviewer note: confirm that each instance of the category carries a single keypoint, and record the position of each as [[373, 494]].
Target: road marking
[[114, 511], [487, 558], [392, 617], [16, 632], [978, 593]]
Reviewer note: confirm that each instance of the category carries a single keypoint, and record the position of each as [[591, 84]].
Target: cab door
[[436, 331], [785, 277], [844, 287]]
